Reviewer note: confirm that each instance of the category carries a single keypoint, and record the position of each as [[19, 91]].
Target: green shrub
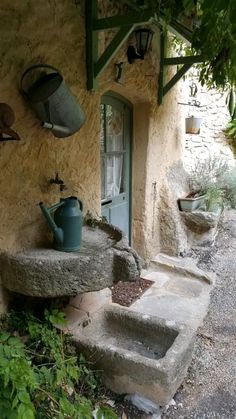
[[230, 133], [41, 375], [228, 187]]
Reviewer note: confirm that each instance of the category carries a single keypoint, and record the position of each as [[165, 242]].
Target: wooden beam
[[161, 72], [190, 59], [176, 78], [181, 30], [112, 48], [121, 21], [91, 43]]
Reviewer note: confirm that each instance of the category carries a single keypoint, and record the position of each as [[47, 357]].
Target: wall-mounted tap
[[58, 181]]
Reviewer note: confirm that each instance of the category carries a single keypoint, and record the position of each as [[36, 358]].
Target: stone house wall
[[54, 33], [215, 116]]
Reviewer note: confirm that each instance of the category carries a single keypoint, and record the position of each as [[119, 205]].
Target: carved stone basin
[[105, 258]]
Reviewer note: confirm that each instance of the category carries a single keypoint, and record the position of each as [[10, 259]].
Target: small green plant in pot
[[205, 184], [214, 199]]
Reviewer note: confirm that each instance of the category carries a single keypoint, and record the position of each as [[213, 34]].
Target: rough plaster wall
[[53, 33], [139, 202], [164, 149], [44, 32]]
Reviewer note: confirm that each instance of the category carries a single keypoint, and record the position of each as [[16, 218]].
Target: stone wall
[[215, 117], [54, 33]]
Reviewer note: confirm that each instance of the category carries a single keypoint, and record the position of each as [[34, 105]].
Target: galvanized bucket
[[53, 101], [193, 125]]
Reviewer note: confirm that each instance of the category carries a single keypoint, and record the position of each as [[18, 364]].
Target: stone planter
[[191, 204], [193, 125], [202, 226]]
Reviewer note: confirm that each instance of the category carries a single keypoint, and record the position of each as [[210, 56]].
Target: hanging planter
[[192, 125]]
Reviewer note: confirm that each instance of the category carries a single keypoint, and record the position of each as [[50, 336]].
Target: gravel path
[[209, 390]]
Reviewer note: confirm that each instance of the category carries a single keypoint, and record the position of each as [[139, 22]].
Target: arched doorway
[[115, 142]]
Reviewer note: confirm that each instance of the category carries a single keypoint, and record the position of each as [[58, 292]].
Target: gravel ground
[[209, 390]]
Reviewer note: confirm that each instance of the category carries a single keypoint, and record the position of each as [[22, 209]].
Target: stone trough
[[105, 258], [138, 353], [146, 348]]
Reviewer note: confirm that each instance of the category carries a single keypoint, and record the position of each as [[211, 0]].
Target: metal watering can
[[66, 223], [53, 101]]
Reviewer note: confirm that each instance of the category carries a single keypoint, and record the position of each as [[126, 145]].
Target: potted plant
[[206, 186], [192, 201]]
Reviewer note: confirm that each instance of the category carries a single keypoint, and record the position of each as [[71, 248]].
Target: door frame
[[110, 96]]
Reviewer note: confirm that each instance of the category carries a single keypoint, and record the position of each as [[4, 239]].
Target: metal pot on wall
[[193, 125], [53, 102]]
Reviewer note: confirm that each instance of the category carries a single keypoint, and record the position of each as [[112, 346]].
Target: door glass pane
[[114, 176], [114, 129]]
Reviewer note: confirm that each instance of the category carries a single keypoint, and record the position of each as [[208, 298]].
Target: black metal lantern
[[143, 42]]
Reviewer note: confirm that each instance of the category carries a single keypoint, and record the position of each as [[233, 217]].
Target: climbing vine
[[213, 24]]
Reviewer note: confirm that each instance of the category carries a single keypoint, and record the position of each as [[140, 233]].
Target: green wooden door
[[115, 162]]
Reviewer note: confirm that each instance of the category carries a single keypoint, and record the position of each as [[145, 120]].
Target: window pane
[[114, 176], [114, 129]]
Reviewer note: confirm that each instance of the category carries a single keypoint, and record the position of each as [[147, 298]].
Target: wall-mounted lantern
[[143, 42]]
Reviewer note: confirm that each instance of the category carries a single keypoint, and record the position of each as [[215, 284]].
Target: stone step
[[179, 266]]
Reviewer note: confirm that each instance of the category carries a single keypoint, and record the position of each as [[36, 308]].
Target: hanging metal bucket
[[53, 101], [193, 125]]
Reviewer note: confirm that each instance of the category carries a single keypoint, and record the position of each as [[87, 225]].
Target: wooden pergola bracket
[[186, 63], [126, 24], [95, 64]]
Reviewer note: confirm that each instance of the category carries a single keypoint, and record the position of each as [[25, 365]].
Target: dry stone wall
[[215, 117]]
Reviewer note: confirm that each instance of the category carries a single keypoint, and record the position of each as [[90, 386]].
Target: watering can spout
[[57, 232]]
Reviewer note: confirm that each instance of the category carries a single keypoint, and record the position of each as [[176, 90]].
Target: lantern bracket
[[126, 25]]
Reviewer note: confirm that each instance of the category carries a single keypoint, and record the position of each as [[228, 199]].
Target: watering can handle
[[33, 67], [81, 205], [55, 206]]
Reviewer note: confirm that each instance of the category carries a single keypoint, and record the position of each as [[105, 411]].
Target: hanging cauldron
[[53, 101]]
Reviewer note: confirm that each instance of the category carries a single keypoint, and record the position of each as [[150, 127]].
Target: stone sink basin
[[138, 353], [104, 258]]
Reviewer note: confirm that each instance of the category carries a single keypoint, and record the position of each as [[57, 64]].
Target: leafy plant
[[228, 187], [214, 33], [214, 178], [214, 198], [206, 174], [230, 102], [41, 375], [230, 133]]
